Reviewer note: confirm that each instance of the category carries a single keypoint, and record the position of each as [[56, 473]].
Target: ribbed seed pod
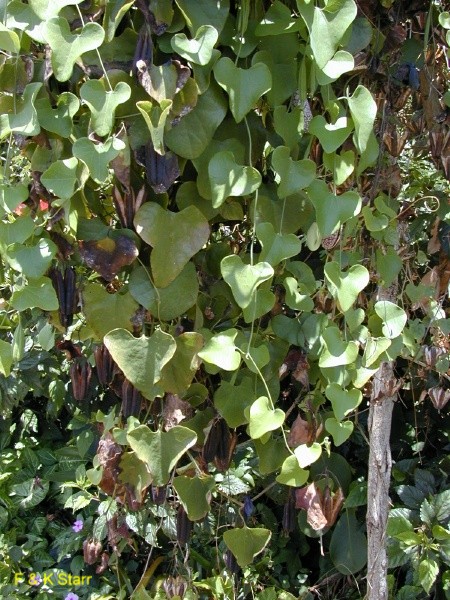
[[104, 364], [289, 515], [131, 400], [184, 527], [159, 495], [80, 375]]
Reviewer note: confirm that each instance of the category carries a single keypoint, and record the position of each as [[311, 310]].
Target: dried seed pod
[[91, 550], [66, 292], [230, 562], [105, 365], [80, 375], [131, 400], [289, 515], [184, 527], [175, 587], [159, 495]]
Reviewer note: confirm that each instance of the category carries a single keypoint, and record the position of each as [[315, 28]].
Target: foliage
[[199, 201]]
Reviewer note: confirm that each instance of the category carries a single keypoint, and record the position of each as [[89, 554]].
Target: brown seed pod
[[80, 375], [184, 527]]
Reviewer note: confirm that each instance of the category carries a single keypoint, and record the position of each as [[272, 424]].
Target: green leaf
[[244, 279], [297, 296], [195, 494], [155, 116], [389, 264], [10, 198], [375, 346], [444, 19], [284, 76], [336, 351], [221, 351], [227, 178], [175, 238], [232, 400], [169, 302], [46, 10], [134, 473], [277, 20], [261, 303], [331, 135], [27, 494], [291, 473], [363, 109], [68, 47], [348, 545], [159, 450], [341, 165], [58, 120], [341, 63], [194, 132], [141, 359], [345, 286], [178, 373], [339, 431], [22, 17], [373, 220], [394, 318], [263, 418], [32, 261], [271, 454], [36, 293], [307, 455], [343, 401], [97, 156], [115, 10], [327, 28], [202, 12], [61, 177], [6, 358], [243, 86], [104, 311], [246, 543], [427, 573], [103, 102], [9, 40], [294, 174], [19, 114], [199, 49], [332, 211]]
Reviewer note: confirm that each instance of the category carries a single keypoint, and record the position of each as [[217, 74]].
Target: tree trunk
[[379, 471]]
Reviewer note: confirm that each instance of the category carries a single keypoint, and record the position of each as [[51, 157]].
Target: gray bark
[[379, 472]]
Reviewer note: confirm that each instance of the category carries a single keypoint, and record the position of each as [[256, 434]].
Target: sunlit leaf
[[246, 543]]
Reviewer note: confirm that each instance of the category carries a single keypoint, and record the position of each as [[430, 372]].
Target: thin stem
[[98, 54]]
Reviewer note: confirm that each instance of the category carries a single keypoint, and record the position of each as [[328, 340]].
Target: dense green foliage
[[199, 201]]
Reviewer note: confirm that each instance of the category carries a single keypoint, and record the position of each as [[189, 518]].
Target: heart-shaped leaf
[[103, 102], [294, 174], [261, 303], [336, 352], [348, 546], [32, 261], [327, 27], [343, 401], [331, 135], [307, 455], [227, 178], [202, 12], [199, 49], [194, 132], [97, 156], [61, 177], [394, 318], [297, 296], [341, 63], [246, 543], [284, 76], [341, 165], [159, 450], [155, 116], [36, 293], [243, 86], [178, 373], [175, 238], [345, 286], [46, 10], [67, 47], [104, 311], [332, 211], [195, 494], [6, 358], [221, 351], [339, 431], [58, 120], [244, 279], [232, 400], [141, 359], [276, 247], [375, 346], [263, 418], [9, 40], [19, 114], [292, 473], [165, 303], [363, 109]]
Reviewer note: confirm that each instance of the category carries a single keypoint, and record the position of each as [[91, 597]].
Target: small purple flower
[[77, 526], [71, 596], [35, 579]]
